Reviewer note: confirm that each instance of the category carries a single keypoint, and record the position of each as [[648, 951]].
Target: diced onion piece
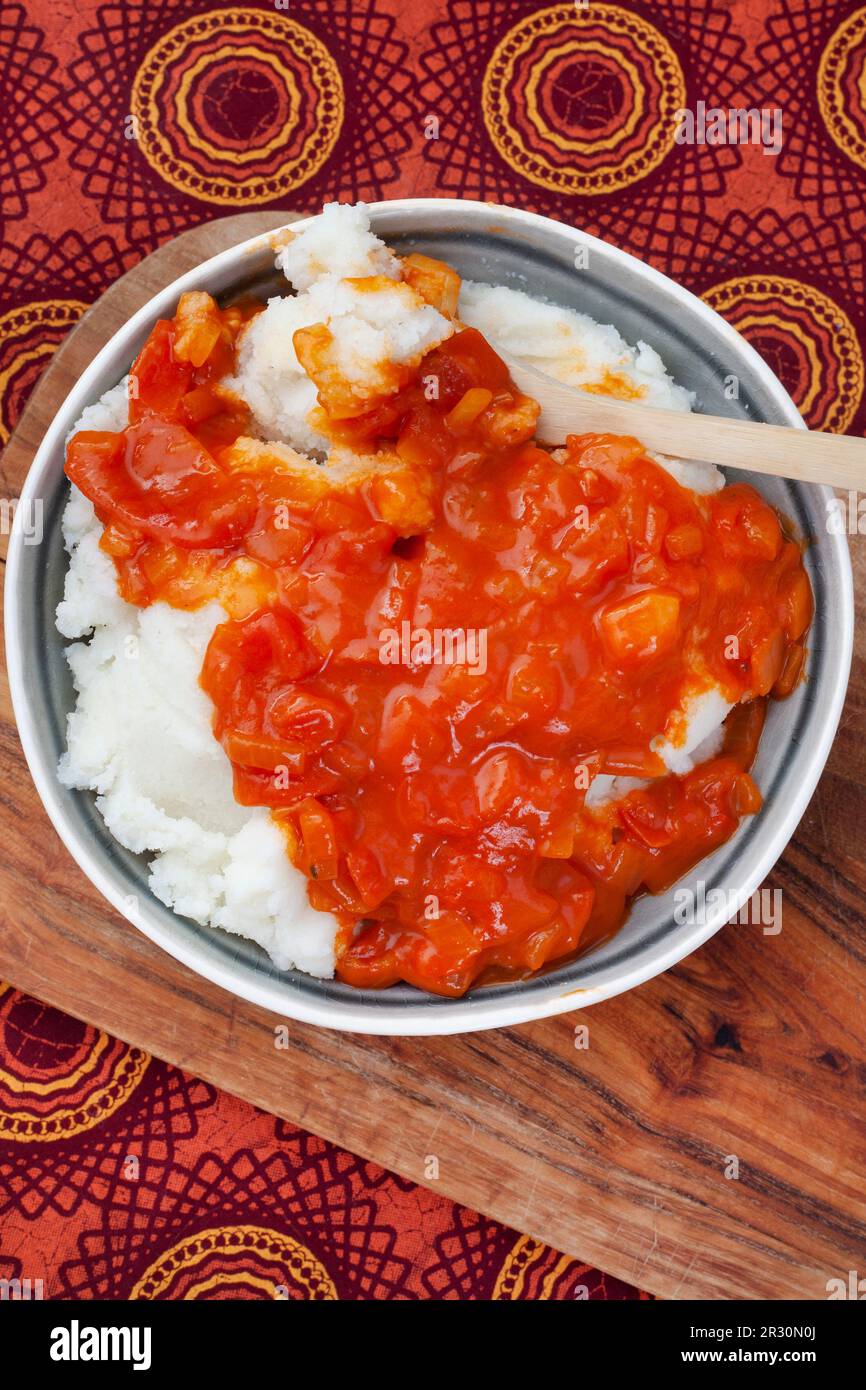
[[436, 282], [791, 671], [766, 662], [319, 839], [266, 754], [746, 797], [200, 404], [198, 328], [646, 625], [684, 542], [467, 410], [798, 605]]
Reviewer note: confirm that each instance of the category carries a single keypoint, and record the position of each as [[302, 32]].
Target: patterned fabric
[[122, 1178], [127, 123]]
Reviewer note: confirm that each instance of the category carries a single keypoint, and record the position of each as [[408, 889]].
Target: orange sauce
[[434, 793]]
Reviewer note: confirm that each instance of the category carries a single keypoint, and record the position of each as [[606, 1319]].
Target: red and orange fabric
[[126, 123], [123, 1178]]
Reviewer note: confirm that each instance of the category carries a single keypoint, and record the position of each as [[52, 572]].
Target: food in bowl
[[378, 681]]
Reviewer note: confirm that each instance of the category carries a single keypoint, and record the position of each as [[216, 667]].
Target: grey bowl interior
[[699, 355]]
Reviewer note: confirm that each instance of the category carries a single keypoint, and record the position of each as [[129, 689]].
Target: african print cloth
[[125, 124], [123, 1178]]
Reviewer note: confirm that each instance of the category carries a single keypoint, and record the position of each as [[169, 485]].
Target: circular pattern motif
[[58, 1077], [237, 106], [28, 337], [807, 339], [236, 1262], [531, 1271], [842, 86], [583, 101]]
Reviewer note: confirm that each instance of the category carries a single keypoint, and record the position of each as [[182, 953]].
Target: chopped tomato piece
[[157, 478], [158, 380]]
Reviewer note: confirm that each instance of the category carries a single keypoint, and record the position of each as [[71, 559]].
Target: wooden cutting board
[[621, 1152]]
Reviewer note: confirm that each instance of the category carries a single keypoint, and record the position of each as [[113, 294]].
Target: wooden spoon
[[805, 455]]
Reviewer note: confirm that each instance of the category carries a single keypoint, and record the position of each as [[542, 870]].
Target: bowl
[[702, 352]]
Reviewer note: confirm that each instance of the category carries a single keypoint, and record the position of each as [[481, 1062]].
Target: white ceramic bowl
[[500, 245]]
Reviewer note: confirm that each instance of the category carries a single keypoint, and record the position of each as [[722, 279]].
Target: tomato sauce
[[425, 665]]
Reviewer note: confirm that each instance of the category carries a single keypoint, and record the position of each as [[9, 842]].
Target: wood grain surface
[[620, 1152]]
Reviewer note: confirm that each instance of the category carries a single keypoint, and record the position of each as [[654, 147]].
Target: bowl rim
[[472, 1012]]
